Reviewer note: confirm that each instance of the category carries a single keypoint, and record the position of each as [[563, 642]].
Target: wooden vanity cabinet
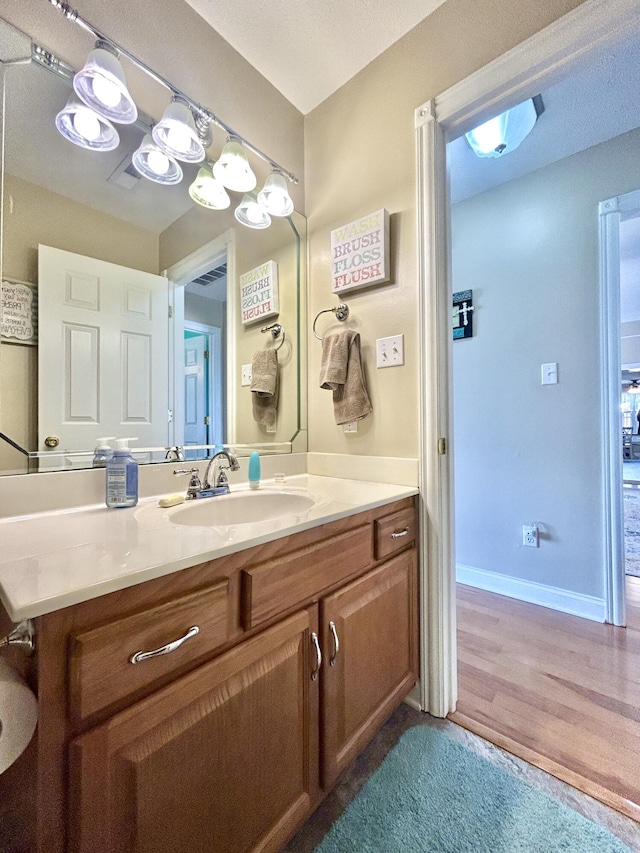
[[228, 744]]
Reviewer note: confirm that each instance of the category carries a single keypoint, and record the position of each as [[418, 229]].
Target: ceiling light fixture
[[84, 127], [155, 164], [102, 86], [233, 169], [251, 213], [505, 132], [208, 191], [274, 196], [634, 388], [176, 133]]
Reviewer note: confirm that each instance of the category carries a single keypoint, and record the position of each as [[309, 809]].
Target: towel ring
[[275, 329], [341, 311]]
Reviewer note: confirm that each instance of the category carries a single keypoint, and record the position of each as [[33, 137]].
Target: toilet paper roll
[[18, 715]]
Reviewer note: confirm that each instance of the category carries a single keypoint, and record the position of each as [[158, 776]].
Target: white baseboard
[[563, 600], [413, 698]]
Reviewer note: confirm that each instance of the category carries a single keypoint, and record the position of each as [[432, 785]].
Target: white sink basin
[[241, 508]]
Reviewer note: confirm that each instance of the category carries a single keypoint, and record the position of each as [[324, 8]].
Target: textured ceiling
[[309, 48]]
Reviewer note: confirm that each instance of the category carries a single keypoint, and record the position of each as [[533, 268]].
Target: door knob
[[52, 441]]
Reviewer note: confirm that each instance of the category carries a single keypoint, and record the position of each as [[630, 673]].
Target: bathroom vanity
[[306, 641]]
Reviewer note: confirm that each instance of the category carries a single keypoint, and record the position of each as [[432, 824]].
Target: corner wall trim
[[564, 600]]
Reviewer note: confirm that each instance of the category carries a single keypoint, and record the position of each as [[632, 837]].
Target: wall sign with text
[[19, 314], [462, 317], [259, 292], [360, 252]]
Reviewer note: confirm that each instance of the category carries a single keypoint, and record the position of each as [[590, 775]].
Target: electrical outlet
[[390, 351], [246, 374], [350, 427], [530, 535]]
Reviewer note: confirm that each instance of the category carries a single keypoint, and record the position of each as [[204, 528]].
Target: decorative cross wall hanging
[[462, 316]]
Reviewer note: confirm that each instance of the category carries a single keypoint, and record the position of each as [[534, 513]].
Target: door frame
[[216, 403], [612, 212], [179, 275], [521, 73]]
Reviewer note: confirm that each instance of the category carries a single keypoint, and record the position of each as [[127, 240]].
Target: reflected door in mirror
[[104, 352]]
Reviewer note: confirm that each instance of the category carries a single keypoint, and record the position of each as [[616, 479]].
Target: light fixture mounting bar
[[72, 14]]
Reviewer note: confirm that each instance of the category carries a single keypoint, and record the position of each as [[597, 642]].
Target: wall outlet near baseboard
[[530, 535]]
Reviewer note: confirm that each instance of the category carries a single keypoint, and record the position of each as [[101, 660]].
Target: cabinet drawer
[[282, 583], [394, 532], [101, 671]]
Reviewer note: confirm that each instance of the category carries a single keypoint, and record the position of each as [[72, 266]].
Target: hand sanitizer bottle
[[122, 476], [102, 452], [254, 470]]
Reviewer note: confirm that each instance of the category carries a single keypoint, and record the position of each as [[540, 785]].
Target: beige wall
[[359, 157]]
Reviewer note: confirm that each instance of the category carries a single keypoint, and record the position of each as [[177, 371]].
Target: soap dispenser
[[103, 451], [254, 470], [122, 476]]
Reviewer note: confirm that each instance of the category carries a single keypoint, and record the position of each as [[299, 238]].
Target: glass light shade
[[208, 191], [176, 134], [233, 169], [274, 196], [84, 127], [101, 85], [504, 133], [154, 164], [251, 213], [634, 388]]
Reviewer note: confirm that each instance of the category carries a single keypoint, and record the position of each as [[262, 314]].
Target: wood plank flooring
[[559, 691]]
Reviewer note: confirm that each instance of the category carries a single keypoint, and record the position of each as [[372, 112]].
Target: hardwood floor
[[559, 691]]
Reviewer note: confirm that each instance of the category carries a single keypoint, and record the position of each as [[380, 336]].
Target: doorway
[[562, 48]]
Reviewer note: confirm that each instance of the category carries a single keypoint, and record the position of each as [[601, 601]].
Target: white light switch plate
[[246, 374], [390, 351], [352, 426], [550, 373]]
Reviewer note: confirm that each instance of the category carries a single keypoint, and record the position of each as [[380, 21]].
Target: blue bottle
[[122, 476], [254, 470]]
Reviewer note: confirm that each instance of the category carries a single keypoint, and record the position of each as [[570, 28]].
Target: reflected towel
[[264, 387], [341, 372]]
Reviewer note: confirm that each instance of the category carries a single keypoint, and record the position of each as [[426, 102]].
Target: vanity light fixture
[[176, 133], [233, 169], [154, 164], [183, 133], [251, 213], [274, 196], [102, 86], [504, 133], [208, 191], [84, 127]]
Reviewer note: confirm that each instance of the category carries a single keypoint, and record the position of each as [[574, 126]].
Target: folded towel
[[264, 387], [341, 372]]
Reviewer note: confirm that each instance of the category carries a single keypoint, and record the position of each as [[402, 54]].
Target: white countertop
[[51, 560]]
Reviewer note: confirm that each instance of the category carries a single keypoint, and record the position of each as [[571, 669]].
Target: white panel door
[[103, 352], [195, 390]]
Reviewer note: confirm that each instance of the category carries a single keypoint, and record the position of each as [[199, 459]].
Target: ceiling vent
[[125, 175], [212, 276]]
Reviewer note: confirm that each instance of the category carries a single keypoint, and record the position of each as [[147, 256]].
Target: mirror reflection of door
[[203, 384], [103, 352]]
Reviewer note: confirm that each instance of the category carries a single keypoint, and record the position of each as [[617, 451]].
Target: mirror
[[95, 205]]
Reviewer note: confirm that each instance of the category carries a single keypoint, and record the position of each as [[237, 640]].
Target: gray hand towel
[[264, 387], [341, 372]]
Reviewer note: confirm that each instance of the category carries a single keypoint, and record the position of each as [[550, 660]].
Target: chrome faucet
[[220, 480]]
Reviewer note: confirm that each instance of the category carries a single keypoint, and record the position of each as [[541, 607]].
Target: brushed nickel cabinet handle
[[316, 643], [164, 650], [404, 532], [336, 643]]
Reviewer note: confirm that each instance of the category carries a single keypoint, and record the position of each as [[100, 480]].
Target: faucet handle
[[195, 485]]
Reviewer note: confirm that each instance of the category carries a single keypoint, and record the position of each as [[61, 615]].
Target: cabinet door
[[225, 759], [373, 620]]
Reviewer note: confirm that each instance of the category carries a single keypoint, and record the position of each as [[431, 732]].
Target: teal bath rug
[[433, 795]]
